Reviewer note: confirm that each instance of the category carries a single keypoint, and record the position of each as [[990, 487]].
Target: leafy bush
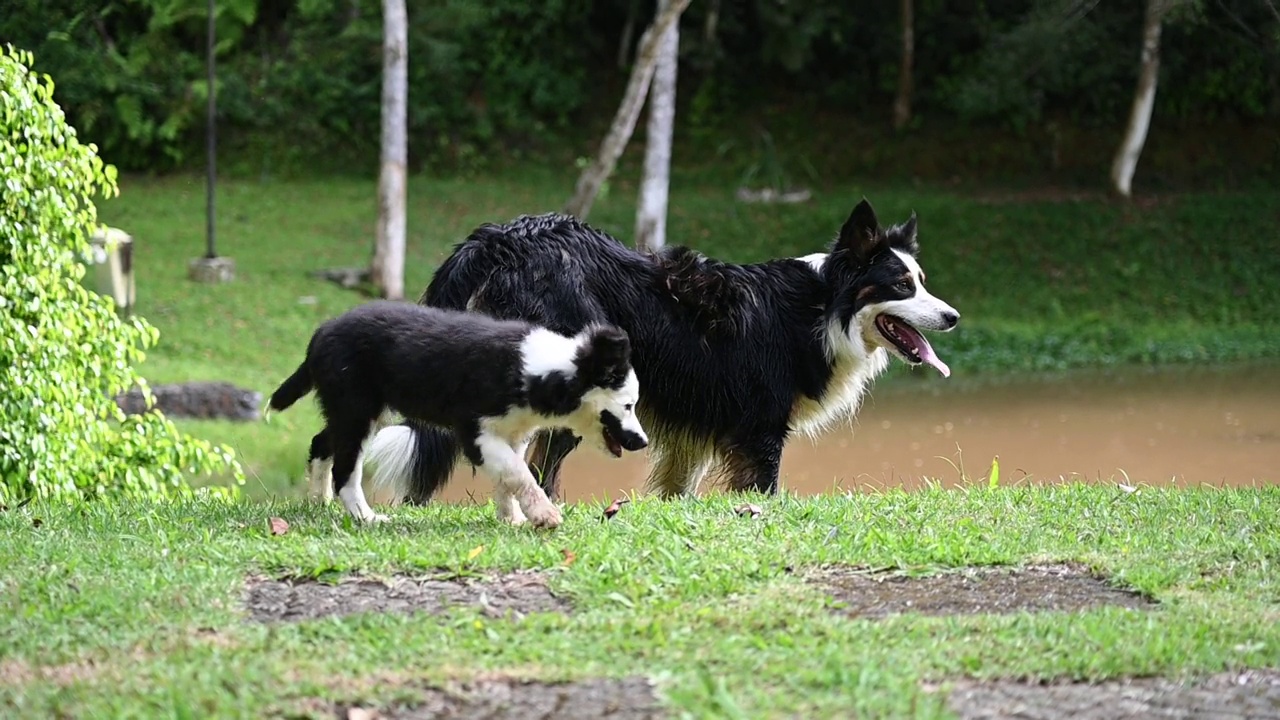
[[64, 353]]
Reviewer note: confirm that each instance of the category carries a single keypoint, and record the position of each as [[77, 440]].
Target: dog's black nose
[[633, 442], [949, 319]]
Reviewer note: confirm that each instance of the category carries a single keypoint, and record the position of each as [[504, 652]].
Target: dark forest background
[[1002, 88]]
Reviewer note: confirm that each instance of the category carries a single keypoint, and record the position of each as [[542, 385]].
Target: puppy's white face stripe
[[543, 352], [620, 403], [630, 391], [628, 396]]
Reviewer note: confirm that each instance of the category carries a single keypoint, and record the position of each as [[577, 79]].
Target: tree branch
[[624, 121]]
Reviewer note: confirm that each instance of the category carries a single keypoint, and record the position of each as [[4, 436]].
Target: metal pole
[[211, 141]]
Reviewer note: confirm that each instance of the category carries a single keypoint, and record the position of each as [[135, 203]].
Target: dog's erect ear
[[860, 236], [605, 358], [903, 237]]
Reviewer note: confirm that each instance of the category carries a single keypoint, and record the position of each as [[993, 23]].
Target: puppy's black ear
[[605, 358], [553, 394], [860, 236], [903, 237]]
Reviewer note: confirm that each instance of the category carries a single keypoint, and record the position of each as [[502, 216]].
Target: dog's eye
[[627, 407], [903, 285]]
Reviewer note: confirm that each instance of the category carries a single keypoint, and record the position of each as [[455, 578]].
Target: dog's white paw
[[544, 515], [516, 516], [370, 518], [508, 510]]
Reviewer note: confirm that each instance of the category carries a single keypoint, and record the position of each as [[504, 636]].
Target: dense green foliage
[[64, 351], [126, 611], [300, 79]]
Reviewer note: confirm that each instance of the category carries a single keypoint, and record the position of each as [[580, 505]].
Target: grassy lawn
[[136, 611], [113, 610], [1042, 284]]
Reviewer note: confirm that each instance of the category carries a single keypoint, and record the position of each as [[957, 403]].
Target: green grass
[[143, 602], [1041, 285]]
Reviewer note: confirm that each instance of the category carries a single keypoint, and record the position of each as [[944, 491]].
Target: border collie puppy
[[492, 383], [734, 359]]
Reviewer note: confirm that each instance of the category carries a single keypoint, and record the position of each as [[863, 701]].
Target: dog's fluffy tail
[[292, 389], [410, 461]]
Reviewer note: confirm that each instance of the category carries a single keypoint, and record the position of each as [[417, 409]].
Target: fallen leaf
[[474, 552], [749, 509], [569, 556], [613, 509], [356, 713], [36, 522], [278, 526]]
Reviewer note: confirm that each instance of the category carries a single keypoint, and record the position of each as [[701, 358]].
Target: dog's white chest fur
[[853, 367]]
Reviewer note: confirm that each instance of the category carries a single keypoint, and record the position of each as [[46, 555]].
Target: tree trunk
[[651, 213], [624, 121], [902, 103], [1144, 97], [628, 30], [712, 21], [387, 268]]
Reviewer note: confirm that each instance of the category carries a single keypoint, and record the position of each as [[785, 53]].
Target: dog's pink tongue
[[924, 349], [928, 355]]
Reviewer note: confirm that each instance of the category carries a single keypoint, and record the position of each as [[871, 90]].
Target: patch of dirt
[[626, 699], [288, 600], [1251, 694], [1036, 588], [14, 673]]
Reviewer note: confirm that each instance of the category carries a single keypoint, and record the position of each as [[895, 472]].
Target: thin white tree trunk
[[651, 210], [1135, 136], [628, 31], [387, 268], [902, 103], [624, 121]]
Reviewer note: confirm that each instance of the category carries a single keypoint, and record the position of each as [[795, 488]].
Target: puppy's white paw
[[544, 515], [370, 518], [516, 517]]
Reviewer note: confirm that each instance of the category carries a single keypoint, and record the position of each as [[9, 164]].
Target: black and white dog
[[492, 383], [733, 359]]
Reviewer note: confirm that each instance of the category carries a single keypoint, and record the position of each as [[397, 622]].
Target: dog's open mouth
[[909, 342], [611, 443]]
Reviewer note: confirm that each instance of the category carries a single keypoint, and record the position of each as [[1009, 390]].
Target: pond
[[1179, 425]]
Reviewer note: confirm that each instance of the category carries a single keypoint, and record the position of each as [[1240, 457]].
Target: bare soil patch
[[1036, 588], [1251, 694], [14, 673], [292, 599], [626, 699]]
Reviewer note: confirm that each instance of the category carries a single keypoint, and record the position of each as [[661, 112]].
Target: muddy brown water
[[1183, 426]]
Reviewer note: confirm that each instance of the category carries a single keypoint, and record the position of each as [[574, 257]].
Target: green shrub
[[63, 350]]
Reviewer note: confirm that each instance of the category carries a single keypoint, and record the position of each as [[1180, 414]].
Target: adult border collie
[[493, 383], [733, 359]]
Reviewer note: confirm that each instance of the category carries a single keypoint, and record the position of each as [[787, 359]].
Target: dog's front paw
[[517, 517], [370, 518], [544, 515], [509, 512]]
